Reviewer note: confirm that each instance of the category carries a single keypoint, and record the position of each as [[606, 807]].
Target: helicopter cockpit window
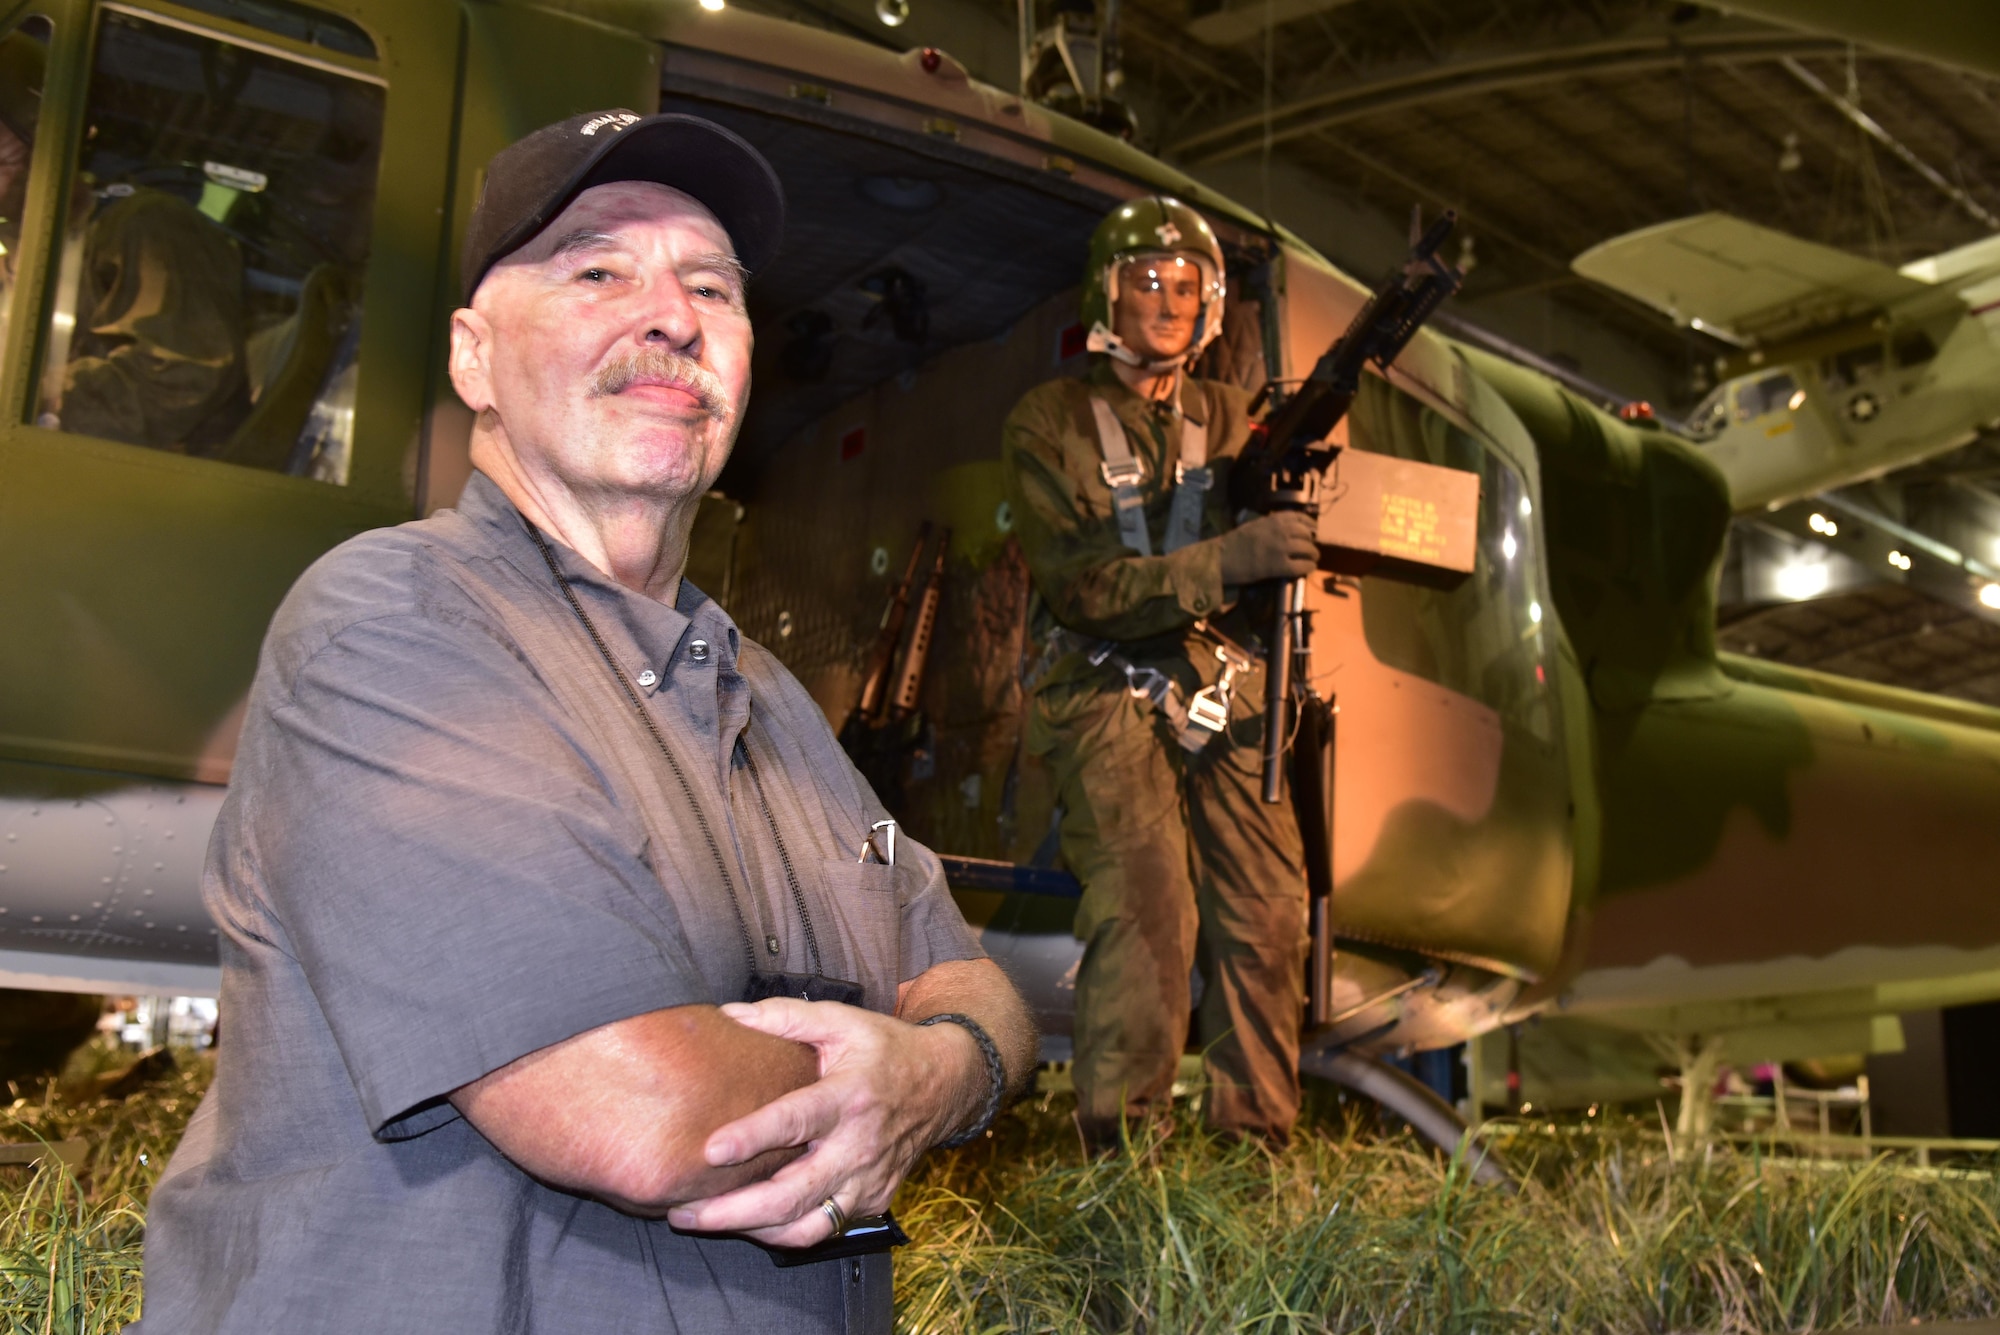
[[24, 55], [1773, 394], [208, 297]]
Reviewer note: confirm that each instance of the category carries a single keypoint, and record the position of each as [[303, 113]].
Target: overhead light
[[713, 6], [1535, 611], [1802, 580], [893, 13], [1898, 560], [1797, 401], [1696, 323], [1819, 523], [1990, 595], [1507, 547], [1528, 508]]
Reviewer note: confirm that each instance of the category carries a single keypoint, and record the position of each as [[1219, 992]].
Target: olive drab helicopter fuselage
[[1504, 748]]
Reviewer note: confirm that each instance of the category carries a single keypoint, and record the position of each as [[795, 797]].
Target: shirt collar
[[1103, 378], [694, 634]]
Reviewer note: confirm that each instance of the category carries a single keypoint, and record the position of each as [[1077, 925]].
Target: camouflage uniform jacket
[[1085, 578]]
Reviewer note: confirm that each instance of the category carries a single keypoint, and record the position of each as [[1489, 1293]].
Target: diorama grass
[[1356, 1227]]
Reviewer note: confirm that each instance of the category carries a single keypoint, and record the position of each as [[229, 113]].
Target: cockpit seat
[[267, 436]]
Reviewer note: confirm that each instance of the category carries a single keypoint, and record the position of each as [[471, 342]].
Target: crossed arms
[[743, 1118]]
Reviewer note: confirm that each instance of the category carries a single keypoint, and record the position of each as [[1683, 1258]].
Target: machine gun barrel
[[1279, 670]]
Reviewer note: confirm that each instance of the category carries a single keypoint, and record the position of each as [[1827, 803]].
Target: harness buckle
[[1209, 709], [1125, 473], [1148, 683]]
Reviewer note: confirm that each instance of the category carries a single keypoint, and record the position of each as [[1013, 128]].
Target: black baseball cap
[[532, 180]]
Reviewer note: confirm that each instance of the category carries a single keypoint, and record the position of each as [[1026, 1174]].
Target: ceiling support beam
[[1489, 72], [1240, 22], [1869, 126]]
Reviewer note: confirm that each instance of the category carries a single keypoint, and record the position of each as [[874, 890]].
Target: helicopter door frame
[[47, 167]]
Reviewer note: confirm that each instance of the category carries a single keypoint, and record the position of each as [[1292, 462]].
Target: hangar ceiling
[[1880, 632], [1554, 125], [1551, 125]]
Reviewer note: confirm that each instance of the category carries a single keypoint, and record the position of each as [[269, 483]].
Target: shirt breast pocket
[[864, 899]]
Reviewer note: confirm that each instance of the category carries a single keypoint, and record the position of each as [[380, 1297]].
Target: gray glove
[[1273, 546]]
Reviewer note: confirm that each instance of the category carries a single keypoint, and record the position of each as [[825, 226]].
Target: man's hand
[[1274, 546], [887, 1092]]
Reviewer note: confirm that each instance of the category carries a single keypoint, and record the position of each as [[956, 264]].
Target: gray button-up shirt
[[450, 841]]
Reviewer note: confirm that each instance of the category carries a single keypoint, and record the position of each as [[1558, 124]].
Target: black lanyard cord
[[687, 789], [784, 857]]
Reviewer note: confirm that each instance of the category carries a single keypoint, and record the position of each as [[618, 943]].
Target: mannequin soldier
[[1148, 697]]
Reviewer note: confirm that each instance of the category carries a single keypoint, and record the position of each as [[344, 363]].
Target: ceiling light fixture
[[893, 13], [1990, 595]]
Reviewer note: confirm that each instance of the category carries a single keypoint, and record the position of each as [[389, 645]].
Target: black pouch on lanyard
[[803, 987]]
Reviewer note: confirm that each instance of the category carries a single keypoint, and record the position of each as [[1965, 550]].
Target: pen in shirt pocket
[[881, 841]]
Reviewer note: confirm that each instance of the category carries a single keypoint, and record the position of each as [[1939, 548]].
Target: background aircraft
[[1843, 369], [1548, 784]]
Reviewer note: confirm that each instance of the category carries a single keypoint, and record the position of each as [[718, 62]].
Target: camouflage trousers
[[1182, 864]]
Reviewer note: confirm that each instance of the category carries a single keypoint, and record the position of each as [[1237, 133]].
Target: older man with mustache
[[575, 980]]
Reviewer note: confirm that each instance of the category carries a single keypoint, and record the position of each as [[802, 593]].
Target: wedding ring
[[834, 1215]]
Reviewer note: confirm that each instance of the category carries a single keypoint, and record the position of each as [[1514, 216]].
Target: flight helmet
[[1152, 225]]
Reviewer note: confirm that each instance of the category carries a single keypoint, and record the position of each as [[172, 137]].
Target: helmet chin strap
[[1103, 340]]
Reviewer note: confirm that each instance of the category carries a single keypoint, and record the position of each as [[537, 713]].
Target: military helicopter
[[1842, 368], [1533, 768]]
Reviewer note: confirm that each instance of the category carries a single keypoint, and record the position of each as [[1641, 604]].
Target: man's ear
[[471, 360]]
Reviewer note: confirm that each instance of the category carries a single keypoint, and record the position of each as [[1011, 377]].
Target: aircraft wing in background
[[1743, 283]]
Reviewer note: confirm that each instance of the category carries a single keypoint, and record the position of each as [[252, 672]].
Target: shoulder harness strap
[[1122, 473], [1192, 478]]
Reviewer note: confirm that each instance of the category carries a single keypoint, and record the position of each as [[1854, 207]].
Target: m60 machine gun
[[1285, 467]]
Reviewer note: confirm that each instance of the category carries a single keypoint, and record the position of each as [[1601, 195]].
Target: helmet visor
[[1181, 276]]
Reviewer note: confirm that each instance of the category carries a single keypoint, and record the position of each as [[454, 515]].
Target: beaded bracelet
[[996, 1077]]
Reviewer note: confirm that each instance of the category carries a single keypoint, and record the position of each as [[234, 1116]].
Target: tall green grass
[[70, 1242], [1353, 1229]]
